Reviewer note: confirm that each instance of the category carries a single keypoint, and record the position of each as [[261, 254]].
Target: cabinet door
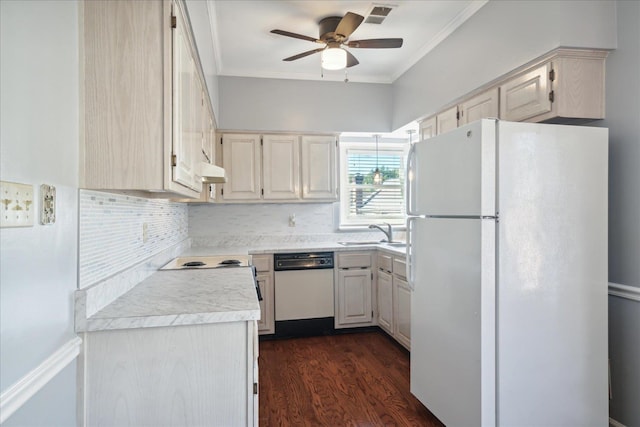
[[447, 120], [482, 106], [266, 324], [280, 167], [354, 296], [402, 312], [428, 128], [241, 161], [385, 302], [526, 96], [184, 103], [319, 167]]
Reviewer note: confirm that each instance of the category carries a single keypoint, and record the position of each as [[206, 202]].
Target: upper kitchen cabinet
[[447, 120], [482, 106], [563, 87], [428, 128], [142, 86], [279, 167], [241, 158], [319, 177]]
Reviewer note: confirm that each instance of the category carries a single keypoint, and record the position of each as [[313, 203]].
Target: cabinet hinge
[[261, 142], [551, 96], [262, 191], [458, 115], [255, 388], [552, 75], [174, 22], [222, 191], [174, 160], [220, 140], [371, 275]]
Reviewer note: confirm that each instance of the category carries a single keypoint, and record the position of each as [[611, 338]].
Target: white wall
[[304, 105], [498, 38], [39, 144]]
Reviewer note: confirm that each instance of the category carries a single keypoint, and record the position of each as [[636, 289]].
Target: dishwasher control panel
[[303, 261]]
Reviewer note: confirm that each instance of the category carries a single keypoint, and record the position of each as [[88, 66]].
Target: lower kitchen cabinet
[[264, 276], [354, 287], [354, 290], [181, 375], [402, 312], [385, 301], [394, 298]]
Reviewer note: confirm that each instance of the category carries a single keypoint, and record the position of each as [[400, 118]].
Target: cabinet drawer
[[385, 262], [262, 262], [400, 267], [354, 259]]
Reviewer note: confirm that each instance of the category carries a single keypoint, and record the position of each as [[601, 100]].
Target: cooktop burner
[[193, 264], [230, 262]]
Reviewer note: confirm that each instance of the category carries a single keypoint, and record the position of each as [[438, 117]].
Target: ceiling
[[244, 46]]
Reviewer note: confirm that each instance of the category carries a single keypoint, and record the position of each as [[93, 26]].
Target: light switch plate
[[47, 204], [16, 204]]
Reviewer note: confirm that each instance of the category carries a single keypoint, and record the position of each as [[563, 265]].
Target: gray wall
[[623, 121], [498, 38], [304, 106], [39, 144]]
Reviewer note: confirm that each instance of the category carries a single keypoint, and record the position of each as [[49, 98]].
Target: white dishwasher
[[304, 303]]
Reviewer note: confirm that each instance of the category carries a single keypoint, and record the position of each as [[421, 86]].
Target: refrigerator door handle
[[411, 181], [410, 255]]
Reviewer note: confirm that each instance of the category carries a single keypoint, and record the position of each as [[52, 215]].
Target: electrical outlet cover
[[16, 204], [47, 204]]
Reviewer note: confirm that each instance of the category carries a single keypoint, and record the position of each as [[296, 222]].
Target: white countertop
[[183, 297], [291, 247], [197, 296]]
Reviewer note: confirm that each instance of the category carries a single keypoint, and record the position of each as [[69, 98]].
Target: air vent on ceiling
[[378, 13]]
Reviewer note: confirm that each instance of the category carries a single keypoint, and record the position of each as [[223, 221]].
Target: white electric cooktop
[[218, 261]]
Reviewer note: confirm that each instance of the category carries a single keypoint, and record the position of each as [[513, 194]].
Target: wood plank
[[358, 379]]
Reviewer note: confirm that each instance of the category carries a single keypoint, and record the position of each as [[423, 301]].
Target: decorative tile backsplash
[[119, 231], [255, 225]]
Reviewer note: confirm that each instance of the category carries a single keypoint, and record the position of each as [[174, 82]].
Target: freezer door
[[453, 174], [453, 319]]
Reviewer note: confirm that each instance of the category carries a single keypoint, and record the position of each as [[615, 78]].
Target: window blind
[[367, 201]]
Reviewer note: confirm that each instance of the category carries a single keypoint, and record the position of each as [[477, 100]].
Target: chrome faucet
[[388, 232]]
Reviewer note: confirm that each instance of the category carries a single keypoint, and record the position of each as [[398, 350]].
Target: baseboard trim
[[23, 390], [624, 291], [614, 423]]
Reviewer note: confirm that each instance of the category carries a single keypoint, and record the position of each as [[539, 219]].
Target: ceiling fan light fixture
[[334, 58]]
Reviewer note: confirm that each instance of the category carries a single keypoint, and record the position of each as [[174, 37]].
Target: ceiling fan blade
[[348, 24], [295, 36], [351, 60], [376, 43], [303, 54]]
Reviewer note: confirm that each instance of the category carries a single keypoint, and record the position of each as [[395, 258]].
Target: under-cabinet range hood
[[212, 174]]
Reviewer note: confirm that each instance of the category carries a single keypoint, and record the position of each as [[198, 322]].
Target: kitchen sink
[[395, 244], [362, 243], [372, 242]]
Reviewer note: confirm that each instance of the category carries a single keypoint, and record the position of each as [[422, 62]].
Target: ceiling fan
[[334, 34]]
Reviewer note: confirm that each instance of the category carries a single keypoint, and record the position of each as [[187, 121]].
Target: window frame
[[384, 146]]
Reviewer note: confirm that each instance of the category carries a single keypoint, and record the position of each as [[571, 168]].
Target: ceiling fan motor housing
[[328, 27]]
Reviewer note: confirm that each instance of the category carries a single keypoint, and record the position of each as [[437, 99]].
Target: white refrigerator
[[507, 259]]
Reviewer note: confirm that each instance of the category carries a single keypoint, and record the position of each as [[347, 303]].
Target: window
[[363, 202]]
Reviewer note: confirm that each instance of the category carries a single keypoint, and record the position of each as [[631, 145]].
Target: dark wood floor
[[357, 379]]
